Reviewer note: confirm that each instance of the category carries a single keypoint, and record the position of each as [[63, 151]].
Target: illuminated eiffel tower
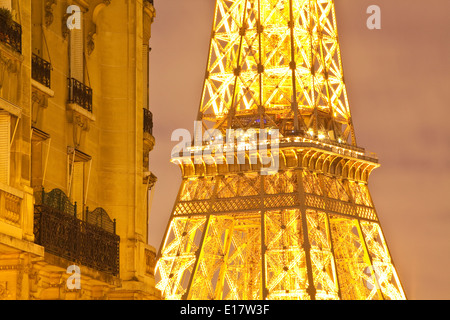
[[308, 230]]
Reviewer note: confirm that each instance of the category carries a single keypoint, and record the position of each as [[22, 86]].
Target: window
[[5, 145], [77, 52], [77, 192], [36, 20], [41, 68], [79, 173], [40, 145], [79, 92]]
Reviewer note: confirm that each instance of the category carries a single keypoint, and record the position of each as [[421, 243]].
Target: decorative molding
[[10, 267], [64, 29], [49, 12], [39, 135], [80, 124], [91, 23], [149, 143], [39, 99], [150, 179], [149, 9], [11, 108], [47, 91], [4, 292], [79, 155], [39, 102], [10, 82], [23, 272], [81, 3], [7, 65], [81, 119], [81, 112]]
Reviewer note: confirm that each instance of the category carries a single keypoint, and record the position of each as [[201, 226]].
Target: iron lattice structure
[[308, 231]]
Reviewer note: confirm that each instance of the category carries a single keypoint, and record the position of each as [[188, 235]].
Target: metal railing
[[93, 242], [101, 219], [41, 70], [148, 121], [76, 240], [80, 94], [11, 33]]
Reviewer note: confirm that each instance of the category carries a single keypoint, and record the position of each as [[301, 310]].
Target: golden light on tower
[[276, 63], [308, 230]]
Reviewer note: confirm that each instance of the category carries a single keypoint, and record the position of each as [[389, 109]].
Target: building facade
[[75, 134]]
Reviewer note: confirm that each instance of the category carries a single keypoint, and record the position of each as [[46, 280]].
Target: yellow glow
[[237, 234], [251, 69]]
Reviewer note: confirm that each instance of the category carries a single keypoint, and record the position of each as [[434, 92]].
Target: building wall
[[110, 144]]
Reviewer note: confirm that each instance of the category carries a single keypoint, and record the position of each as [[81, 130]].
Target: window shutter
[[36, 163], [78, 184], [76, 53], [4, 146]]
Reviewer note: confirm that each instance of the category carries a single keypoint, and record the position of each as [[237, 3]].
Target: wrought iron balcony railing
[[11, 33], [148, 121], [92, 243], [80, 94], [41, 70]]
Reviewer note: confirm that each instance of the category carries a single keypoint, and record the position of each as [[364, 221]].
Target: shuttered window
[[40, 146], [36, 23], [79, 173], [76, 52], [5, 136], [78, 184], [36, 164]]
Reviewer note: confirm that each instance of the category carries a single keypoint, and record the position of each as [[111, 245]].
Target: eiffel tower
[[308, 230]]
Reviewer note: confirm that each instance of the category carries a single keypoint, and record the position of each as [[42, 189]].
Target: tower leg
[[293, 235]]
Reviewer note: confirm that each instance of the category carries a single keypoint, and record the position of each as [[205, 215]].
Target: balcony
[[148, 121], [80, 94], [10, 203], [10, 31], [41, 70], [91, 242], [149, 140]]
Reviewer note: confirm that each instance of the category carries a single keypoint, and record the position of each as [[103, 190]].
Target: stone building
[[75, 134]]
